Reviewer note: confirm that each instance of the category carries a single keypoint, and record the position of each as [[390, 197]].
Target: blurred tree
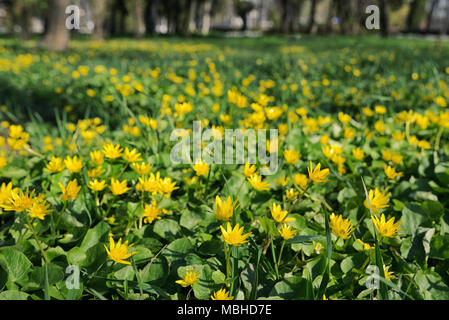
[[289, 15], [242, 8], [118, 14], [416, 14], [151, 15], [138, 17], [433, 5], [58, 36], [21, 13], [310, 26], [99, 13], [384, 19]]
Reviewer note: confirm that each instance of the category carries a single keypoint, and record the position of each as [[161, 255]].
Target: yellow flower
[[74, 164], [3, 161], [349, 133], [366, 246], [201, 168], [142, 168], [97, 185], [386, 155], [278, 214], [317, 248], [249, 170], [380, 109], [286, 231], [385, 228], [94, 173], [396, 158], [224, 209], [398, 136], [190, 278], [291, 194], [221, 294], [118, 187], [257, 183], [300, 180], [388, 274], [344, 118], [18, 201], [55, 165], [97, 157], [317, 175], [291, 156], [358, 153], [423, 144], [167, 187], [377, 199], [391, 172], [234, 237], [112, 151], [151, 212], [118, 252], [71, 191], [5, 192], [340, 227], [131, 156], [40, 208], [282, 181], [440, 101], [380, 126]]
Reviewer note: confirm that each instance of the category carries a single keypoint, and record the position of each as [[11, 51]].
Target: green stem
[[280, 253], [30, 225], [64, 207], [109, 207]]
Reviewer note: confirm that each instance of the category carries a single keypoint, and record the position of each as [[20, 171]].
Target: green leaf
[[54, 273], [98, 234], [190, 219], [431, 285], [434, 209], [15, 263], [439, 247], [166, 228], [442, 173], [14, 173], [76, 256], [218, 277], [210, 247], [13, 295], [178, 249], [290, 288], [414, 216], [203, 288]]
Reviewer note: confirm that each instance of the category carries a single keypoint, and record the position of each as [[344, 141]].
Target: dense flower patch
[[356, 209]]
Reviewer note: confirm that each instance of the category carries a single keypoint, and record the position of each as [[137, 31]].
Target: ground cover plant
[[93, 207]]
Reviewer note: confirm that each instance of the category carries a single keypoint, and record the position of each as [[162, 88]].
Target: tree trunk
[[58, 36], [205, 26], [138, 18], [429, 16], [312, 16], [415, 15], [330, 15], [20, 15], [98, 13], [192, 18], [151, 17], [384, 21]]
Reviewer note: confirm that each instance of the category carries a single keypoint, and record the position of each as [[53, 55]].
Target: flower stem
[[280, 253], [60, 214], [30, 226]]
